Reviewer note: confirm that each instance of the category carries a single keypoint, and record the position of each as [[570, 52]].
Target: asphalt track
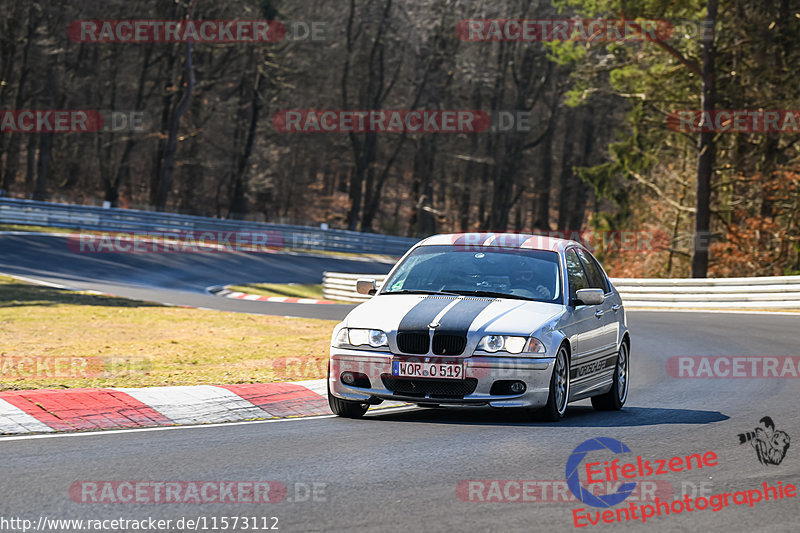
[[400, 470], [176, 278]]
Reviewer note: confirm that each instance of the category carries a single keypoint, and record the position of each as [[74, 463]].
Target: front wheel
[[558, 398], [346, 408], [615, 398]]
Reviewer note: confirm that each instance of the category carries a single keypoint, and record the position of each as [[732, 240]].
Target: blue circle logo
[[574, 482]]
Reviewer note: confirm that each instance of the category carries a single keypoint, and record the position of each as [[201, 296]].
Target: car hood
[[457, 315]]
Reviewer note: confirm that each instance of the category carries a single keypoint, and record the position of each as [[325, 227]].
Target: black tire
[[346, 408], [558, 398], [615, 398]]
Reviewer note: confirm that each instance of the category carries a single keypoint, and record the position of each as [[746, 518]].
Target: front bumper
[[534, 372]]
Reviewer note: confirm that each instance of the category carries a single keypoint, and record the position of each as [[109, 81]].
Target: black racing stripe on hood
[[422, 314], [459, 318]]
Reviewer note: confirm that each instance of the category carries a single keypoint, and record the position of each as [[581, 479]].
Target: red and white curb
[[45, 411], [227, 293], [48, 411]]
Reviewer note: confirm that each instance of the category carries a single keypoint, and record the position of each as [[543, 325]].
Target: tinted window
[[597, 279], [530, 274], [575, 273]]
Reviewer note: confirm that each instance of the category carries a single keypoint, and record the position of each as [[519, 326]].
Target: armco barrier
[[342, 287], [780, 292], [81, 217]]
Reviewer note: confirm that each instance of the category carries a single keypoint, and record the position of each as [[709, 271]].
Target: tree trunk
[[168, 166], [707, 151], [581, 191], [239, 200], [565, 182], [544, 180], [423, 221], [15, 139], [45, 145]]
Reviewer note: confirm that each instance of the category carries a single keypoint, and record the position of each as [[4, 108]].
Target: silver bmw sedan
[[497, 319]]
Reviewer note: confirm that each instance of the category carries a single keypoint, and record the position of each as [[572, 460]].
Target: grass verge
[[36, 229], [50, 338]]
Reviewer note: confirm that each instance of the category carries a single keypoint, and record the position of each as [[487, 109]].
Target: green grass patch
[[51, 338], [36, 229]]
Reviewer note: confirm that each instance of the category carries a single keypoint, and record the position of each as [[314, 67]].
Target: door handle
[[600, 313], [616, 307]]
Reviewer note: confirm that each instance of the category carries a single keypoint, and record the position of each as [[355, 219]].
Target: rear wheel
[[615, 398], [558, 398], [346, 408]]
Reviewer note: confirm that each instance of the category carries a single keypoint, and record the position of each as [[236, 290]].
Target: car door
[[607, 311], [586, 327]]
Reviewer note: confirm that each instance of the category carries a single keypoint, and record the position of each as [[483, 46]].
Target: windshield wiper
[[420, 291], [491, 294]]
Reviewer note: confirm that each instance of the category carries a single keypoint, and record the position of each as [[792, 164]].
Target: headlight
[[378, 338], [510, 344], [492, 343], [342, 338], [373, 337], [515, 344]]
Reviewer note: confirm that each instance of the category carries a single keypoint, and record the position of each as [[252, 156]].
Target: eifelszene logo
[[769, 443], [573, 480], [620, 471]]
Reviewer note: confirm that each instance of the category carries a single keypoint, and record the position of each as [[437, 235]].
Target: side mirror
[[366, 286], [590, 296]]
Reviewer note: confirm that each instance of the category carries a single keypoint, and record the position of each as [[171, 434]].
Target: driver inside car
[[526, 281]]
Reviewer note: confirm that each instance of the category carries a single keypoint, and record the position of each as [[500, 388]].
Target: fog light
[[517, 387], [348, 378]]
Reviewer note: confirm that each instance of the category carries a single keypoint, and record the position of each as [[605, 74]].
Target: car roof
[[523, 241]]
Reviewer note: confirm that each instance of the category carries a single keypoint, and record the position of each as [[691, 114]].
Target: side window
[[596, 278], [575, 273]]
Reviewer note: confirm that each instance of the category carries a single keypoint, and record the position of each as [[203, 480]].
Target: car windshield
[[502, 272]]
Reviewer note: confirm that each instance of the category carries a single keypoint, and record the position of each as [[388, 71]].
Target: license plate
[[416, 369]]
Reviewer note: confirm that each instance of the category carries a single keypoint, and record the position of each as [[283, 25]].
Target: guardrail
[[780, 292], [81, 217], [342, 287]]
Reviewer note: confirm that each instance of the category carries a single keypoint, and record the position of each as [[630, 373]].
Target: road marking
[[196, 426], [710, 311], [40, 282]]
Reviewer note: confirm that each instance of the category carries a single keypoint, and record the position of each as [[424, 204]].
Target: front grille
[[433, 388], [413, 342], [444, 344]]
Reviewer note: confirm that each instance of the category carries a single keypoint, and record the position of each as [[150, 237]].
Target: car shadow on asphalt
[[577, 416]]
